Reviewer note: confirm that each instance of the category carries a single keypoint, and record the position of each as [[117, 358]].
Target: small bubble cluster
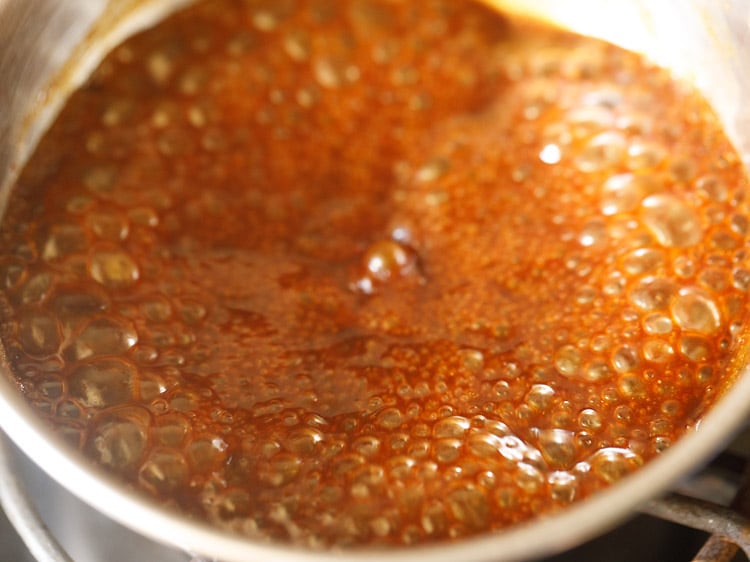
[[371, 272]]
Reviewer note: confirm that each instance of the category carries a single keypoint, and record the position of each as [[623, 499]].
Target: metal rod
[[705, 516], [716, 549]]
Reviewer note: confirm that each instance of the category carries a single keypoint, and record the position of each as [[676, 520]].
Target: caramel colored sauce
[[374, 272]]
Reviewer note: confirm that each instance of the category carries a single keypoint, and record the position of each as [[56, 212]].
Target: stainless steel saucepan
[[47, 47]]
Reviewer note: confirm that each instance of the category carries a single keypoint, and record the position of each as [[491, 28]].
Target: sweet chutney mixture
[[348, 272]]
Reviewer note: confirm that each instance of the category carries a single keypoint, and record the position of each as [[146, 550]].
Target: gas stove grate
[[729, 529]]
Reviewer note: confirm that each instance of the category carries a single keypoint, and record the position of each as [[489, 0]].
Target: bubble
[[657, 351], [103, 383], [104, 336], [657, 324], [694, 310], [39, 334], [183, 401], [695, 348], [712, 187], [660, 426], [556, 133], [151, 384], [419, 448], [369, 474], [447, 450], [306, 97], [529, 478], [36, 289], [12, 272], [404, 76], [207, 453], [197, 117], [514, 449], [588, 120], [64, 240], [79, 204], [652, 293], [332, 73], [297, 45], [521, 173], [50, 387], [568, 361], [164, 471], [171, 430], [586, 295], [70, 304], [304, 441], [597, 371], [741, 279], [157, 309], [671, 407], [540, 397], [159, 66], [432, 171], [108, 227], [370, 17], [643, 261], [472, 360], [506, 498], [682, 169], [612, 464], [469, 506], [68, 409], [600, 344], [645, 155], [100, 180], [630, 386], [401, 467], [120, 441], [590, 419], [116, 113], [433, 518], [390, 418], [452, 426], [496, 427], [484, 444], [684, 267], [625, 359], [265, 20], [563, 486], [623, 193], [113, 269], [234, 503], [387, 259], [381, 527], [143, 216], [192, 312], [673, 222], [557, 447], [593, 233], [603, 151], [614, 284]]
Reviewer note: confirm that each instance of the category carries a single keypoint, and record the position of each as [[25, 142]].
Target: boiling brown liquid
[[360, 272]]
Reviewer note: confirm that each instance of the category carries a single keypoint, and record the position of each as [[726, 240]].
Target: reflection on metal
[[22, 515]]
